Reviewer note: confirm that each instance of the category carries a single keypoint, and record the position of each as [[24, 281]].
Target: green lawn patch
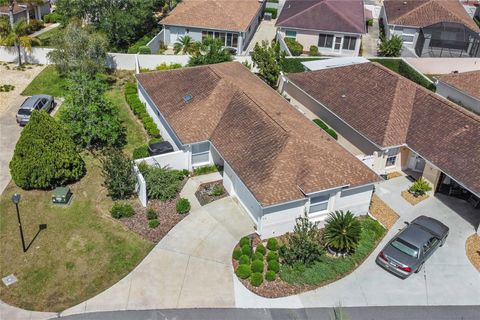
[[81, 253], [48, 37], [49, 82], [326, 128], [291, 65]]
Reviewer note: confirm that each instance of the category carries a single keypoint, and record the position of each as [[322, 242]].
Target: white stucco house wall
[[462, 88], [224, 115]]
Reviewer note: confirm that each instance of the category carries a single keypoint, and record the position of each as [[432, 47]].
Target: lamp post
[[16, 200]]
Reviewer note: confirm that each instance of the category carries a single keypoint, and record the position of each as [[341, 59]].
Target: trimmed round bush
[[313, 51], [153, 223], [257, 266], [122, 210], [246, 249], [270, 275], [183, 206], [272, 256], [261, 249], [244, 259], [243, 271], [257, 256], [272, 244], [244, 241], [144, 50], [236, 254], [273, 266], [257, 279], [151, 214], [140, 152]]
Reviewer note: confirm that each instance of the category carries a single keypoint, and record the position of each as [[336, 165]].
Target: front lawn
[[47, 82], [82, 252], [47, 38]]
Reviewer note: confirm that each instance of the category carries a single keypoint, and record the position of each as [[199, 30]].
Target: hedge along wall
[[140, 111]]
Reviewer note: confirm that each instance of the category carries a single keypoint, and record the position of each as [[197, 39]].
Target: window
[[200, 152], [405, 247], [349, 43], [291, 34], [235, 40], [325, 40], [232, 40], [204, 34], [320, 203], [391, 157], [408, 35], [431, 244]]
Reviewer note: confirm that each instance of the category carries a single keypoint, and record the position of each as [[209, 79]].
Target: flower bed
[[412, 199], [211, 191]]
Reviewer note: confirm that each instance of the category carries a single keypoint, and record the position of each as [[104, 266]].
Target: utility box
[[61, 195]]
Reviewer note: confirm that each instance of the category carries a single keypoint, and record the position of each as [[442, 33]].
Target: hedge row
[[325, 128], [294, 46], [404, 69], [140, 111], [273, 11]]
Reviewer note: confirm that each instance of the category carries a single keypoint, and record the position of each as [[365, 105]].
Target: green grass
[[81, 253], [49, 82], [291, 65], [47, 38], [329, 268], [205, 170]]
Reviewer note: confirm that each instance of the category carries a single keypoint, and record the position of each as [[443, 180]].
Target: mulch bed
[[383, 213], [412, 199], [394, 174], [203, 193], [472, 247]]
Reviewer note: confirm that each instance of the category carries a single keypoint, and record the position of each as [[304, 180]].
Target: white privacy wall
[[177, 160], [356, 200]]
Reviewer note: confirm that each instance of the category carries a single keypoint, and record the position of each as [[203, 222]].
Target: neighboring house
[[335, 27], [461, 88], [394, 124], [277, 163], [234, 22], [22, 10], [432, 28]]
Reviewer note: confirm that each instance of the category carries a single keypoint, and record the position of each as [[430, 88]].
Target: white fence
[[141, 187], [154, 44]]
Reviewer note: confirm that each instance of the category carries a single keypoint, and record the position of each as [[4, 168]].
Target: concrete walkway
[[265, 31], [370, 40], [47, 28], [189, 268]]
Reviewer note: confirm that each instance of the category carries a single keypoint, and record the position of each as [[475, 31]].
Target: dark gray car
[[37, 102], [412, 246]]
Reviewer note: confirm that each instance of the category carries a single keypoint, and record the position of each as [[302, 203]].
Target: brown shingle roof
[[423, 13], [328, 15], [468, 82], [390, 110], [214, 14], [274, 149]]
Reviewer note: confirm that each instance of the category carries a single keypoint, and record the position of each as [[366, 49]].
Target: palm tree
[[342, 232], [186, 45], [16, 36]]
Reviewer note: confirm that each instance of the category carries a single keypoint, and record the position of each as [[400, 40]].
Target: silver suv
[[37, 102]]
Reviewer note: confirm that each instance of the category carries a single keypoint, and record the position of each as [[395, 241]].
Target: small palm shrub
[[273, 266], [390, 47], [257, 266], [244, 241], [342, 231], [261, 249], [244, 259], [243, 271], [246, 249], [272, 244], [122, 211], [217, 190], [257, 279], [151, 214], [419, 187], [270, 276], [183, 206], [257, 256], [272, 256], [236, 254], [153, 223]]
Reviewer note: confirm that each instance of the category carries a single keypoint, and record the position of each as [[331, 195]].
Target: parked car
[[37, 102], [159, 148], [412, 246]]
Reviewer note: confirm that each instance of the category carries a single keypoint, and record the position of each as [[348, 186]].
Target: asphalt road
[[358, 313]]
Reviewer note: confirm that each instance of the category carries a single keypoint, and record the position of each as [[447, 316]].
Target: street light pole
[[16, 200]]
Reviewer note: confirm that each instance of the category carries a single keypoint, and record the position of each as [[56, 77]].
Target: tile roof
[[16, 9], [328, 15], [390, 110], [423, 13], [467, 82], [214, 14], [274, 149]]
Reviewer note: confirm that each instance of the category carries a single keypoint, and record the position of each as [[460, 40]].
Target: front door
[[337, 45]]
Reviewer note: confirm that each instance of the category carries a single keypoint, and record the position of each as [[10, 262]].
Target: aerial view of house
[[335, 27], [432, 28], [462, 88], [231, 21], [25, 10]]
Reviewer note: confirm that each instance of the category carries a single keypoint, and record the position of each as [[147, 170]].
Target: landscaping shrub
[[332, 133], [243, 271], [153, 223], [122, 210], [313, 51], [407, 71], [52, 17], [257, 266], [217, 190], [244, 241], [144, 50], [140, 152], [120, 179], [370, 22], [257, 256], [419, 187], [246, 249], [390, 47], [164, 66], [162, 183], [294, 46], [273, 266], [273, 11], [151, 214], [304, 245], [321, 124], [342, 231], [140, 111], [204, 170], [183, 205], [45, 155], [7, 88], [244, 259], [270, 275], [272, 255], [272, 244], [236, 254], [257, 279], [261, 249], [34, 26]]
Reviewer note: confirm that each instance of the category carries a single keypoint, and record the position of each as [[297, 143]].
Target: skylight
[[187, 97]]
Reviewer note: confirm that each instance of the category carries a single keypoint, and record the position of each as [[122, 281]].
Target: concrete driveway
[[448, 278]]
